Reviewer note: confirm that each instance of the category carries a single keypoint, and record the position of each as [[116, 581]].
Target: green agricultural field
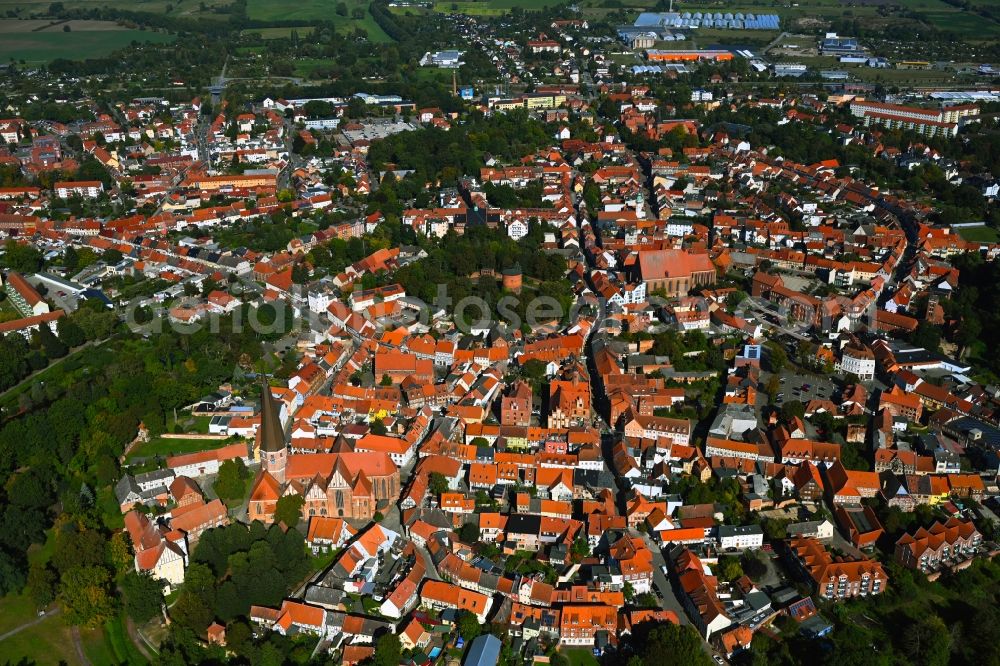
[[280, 33], [488, 7], [318, 10], [40, 47], [186, 8]]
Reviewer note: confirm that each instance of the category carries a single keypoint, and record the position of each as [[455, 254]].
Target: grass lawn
[[7, 310], [42, 553], [304, 67], [117, 642], [48, 642], [323, 560], [189, 424], [15, 610], [158, 446], [36, 47], [983, 234], [111, 511], [580, 657], [97, 647]]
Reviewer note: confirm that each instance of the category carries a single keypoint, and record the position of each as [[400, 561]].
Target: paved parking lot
[[802, 387]]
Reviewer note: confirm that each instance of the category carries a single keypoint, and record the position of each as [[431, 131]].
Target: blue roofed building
[[484, 651]]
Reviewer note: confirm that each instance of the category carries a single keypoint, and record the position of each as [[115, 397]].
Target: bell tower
[[273, 452]]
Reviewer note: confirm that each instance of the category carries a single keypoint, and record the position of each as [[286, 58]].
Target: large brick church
[[344, 484]]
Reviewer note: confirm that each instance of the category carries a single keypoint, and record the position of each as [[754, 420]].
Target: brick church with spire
[[343, 485]]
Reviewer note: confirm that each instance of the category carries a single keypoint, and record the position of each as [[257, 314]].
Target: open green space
[[304, 67], [982, 234], [158, 446], [111, 511], [39, 47], [580, 657], [48, 642], [15, 610], [111, 644], [7, 310]]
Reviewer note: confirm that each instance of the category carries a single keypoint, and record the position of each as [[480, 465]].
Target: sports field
[[39, 41]]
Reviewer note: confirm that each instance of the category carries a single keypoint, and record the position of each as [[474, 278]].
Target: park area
[[40, 41]]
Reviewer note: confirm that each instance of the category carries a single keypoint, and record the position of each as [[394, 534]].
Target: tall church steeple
[[273, 452]]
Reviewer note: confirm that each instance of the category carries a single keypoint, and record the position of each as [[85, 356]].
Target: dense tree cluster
[[434, 153], [453, 259], [235, 567], [955, 621]]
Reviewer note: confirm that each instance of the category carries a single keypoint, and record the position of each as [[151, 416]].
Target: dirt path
[[133, 634], [78, 645]]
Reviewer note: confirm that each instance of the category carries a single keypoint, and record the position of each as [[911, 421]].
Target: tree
[[386, 380], [42, 583], [437, 483], [647, 600], [300, 273], [469, 533], [22, 258], [533, 369], [120, 553], [927, 335], [70, 332], [53, 346], [777, 358], [288, 510], [85, 596], [772, 387], [143, 596], [378, 427], [468, 625], [668, 644], [230, 482], [729, 568], [71, 259], [927, 642], [388, 650], [11, 574], [753, 565], [793, 409]]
